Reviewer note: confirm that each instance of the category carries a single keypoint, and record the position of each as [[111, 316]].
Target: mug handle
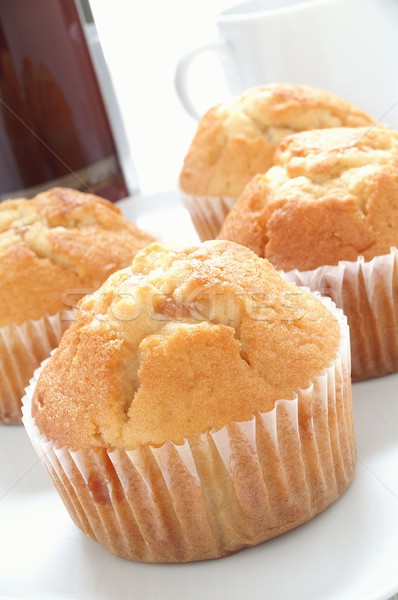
[[223, 52]]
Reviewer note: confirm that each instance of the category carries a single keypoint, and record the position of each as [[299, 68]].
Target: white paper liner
[[367, 292], [208, 213], [22, 349], [219, 492]]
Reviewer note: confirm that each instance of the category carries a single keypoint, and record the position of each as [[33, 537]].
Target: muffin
[[327, 213], [237, 139], [200, 404], [53, 249]]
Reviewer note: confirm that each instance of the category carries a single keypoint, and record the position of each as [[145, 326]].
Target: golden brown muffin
[[237, 139], [53, 249], [167, 370], [61, 240], [332, 196]]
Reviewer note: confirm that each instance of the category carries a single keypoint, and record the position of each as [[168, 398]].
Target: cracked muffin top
[[237, 139], [180, 342], [333, 195], [57, 247]]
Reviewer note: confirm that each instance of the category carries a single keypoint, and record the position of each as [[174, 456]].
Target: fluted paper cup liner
[[208, 213], [367, 292], [218, 492], [22, 349]]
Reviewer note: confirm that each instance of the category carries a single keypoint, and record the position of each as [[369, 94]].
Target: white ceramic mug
[[349, 47]]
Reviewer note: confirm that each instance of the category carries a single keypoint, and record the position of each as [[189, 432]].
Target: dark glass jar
[[54, 128]]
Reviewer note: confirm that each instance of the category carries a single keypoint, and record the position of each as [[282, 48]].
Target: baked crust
[[237, 139], [58, 246], [333, 195], [181, 342], [231, 479]]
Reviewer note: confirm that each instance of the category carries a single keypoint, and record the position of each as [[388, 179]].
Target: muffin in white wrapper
[[367, 292], [54, 248], [220, 491], [22, 348], [327, 216], [208, 213], [237, 139]]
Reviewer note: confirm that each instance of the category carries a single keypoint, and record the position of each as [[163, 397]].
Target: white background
[[142, 42], [356, 48]]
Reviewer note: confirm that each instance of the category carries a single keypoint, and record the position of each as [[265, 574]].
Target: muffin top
[[180, 342], [58, 246], [332, 196], [237, 139]]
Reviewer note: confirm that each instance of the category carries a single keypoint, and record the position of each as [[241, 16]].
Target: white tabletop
[[349, 552]]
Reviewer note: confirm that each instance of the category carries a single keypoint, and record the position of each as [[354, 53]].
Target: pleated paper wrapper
[[219, 492], [22, 349], [367, 292], [208, 213]]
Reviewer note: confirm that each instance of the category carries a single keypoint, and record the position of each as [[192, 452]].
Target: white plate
[[349, 552]]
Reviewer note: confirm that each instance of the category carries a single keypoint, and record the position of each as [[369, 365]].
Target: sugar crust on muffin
[[60, 240], [237, 139], [181, 342], [333, 195]]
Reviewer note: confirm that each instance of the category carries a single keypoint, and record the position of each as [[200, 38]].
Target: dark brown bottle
[[54, 128]]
